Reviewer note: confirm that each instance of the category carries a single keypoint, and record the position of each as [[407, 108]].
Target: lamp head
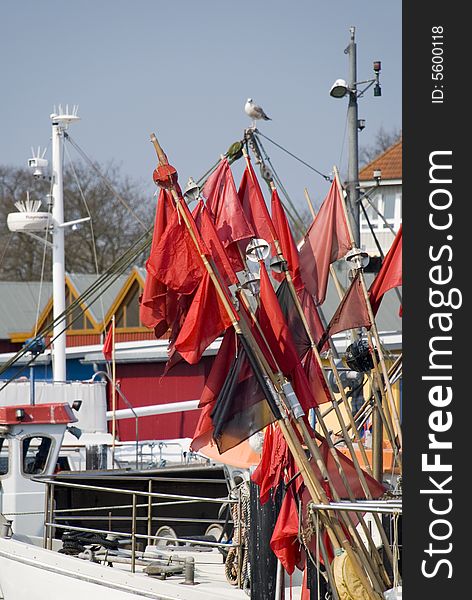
[[339, 89]]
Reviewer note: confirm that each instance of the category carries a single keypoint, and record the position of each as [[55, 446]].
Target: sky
[[184, 69]]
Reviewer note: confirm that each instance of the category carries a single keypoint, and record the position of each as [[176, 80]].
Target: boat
[[127, 519]]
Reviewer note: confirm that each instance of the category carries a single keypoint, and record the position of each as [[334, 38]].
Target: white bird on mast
[[255, 112]]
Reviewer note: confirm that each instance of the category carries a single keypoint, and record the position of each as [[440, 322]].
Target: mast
[[60, 122]]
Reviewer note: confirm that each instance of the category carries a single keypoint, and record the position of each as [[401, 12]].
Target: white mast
[[60, 121]]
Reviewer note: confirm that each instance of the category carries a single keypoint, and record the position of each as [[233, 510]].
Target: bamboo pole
[[333, 527], [320, 419], [314, 449], [375, 332]]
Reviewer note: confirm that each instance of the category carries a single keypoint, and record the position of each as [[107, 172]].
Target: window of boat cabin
[[4, 455], [35, 454]]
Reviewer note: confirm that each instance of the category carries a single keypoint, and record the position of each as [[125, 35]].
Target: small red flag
[[280, 341], [284, 541], [213, 243], [157, 302], [224, 204], [206, 319], [350, 314], [176, 261], [327, 240], [255, 208], [287, 243], [390, 274], [108, 344], [275, 459]]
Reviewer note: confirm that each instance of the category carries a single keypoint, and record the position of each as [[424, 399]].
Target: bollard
[[189, 571], [6, 530]]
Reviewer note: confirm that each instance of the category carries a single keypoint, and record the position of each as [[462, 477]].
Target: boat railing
[[142, 507]]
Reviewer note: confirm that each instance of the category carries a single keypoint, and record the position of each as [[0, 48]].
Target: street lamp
[[340, 89]]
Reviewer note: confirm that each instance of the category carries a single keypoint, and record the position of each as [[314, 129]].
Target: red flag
[[327, 240], [390, 274], [254, 206], [176, 261], [350, 314], [157, 302], [230, 221], [275, 458], [280, 341], [206, 319], [287, 243], [284, 541], [108, 344], [209, 235]]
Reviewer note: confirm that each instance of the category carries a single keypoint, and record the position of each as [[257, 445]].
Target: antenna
[[65, 116]]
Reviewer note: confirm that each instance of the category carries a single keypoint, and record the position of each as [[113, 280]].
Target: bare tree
[[118, 220], [383, 140]]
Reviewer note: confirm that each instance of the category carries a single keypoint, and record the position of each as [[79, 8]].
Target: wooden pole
[[375, 332], [315, 489]]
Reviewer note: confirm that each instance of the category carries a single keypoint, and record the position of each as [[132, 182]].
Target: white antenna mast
[[60, 121]]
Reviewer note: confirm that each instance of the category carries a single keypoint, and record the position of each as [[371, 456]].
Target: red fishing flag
[[284, 541], [176, 262], [208, 232], [351, 313], [108, 346], [157, 303], [224, 204], [255, 208], [390, 274], [326, 241], [206, 319], [287, 243], [275, 459], [280, 341]]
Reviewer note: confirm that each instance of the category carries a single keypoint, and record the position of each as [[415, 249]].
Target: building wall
[[388, 201], [143, 384]]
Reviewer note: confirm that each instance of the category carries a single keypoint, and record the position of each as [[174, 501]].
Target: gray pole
[[352, 120]]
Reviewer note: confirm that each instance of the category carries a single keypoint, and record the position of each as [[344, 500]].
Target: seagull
[[255, 112]]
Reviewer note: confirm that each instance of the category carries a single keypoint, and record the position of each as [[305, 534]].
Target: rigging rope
[[296, 220], [107, 182], [326, 177], [82, 196], [43, 263]]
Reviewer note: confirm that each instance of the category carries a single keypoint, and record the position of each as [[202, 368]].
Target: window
[[4, 456], [36, 452], [128, 313], [77, 319]]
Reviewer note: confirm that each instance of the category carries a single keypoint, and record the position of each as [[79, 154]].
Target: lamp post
[[340, 89]]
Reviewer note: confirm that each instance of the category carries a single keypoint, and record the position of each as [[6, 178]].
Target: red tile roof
[[389, 162]]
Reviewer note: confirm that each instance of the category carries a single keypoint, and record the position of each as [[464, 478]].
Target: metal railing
[[53, 515]]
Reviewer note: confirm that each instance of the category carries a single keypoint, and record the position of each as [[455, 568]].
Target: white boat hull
[[27, 572]]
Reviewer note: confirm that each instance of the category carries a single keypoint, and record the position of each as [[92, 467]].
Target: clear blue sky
[[184, 69]]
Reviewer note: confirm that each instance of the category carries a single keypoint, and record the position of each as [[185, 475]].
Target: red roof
[[389, 162], [36, 414]]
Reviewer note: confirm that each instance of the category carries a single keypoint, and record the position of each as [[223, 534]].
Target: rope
[[297, 220], [326, 177], [82, 196], [107, 182], [43, 263], [238, 554]]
